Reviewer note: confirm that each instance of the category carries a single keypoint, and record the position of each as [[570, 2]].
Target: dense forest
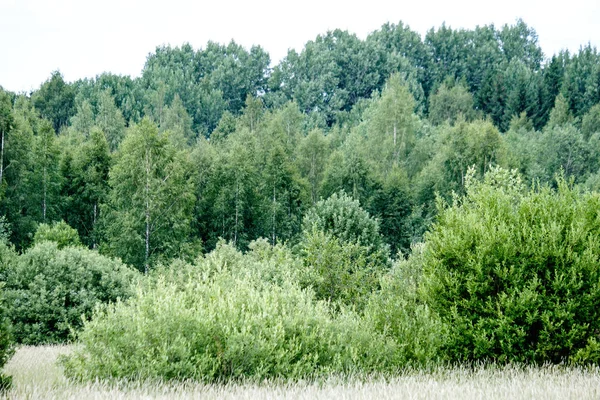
[[348, 142], [217, 143]]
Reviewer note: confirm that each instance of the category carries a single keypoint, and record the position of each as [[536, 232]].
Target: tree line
[[215, 143]]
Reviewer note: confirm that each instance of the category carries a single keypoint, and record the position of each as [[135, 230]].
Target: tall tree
[[55, 101], [6, 125], [110, 120], [149, 208]]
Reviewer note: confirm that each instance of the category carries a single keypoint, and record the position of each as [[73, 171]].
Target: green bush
[[341, 272], [49, 289], [342, 217], [515, 274], [397, 311], [59, 232], [7, 256], [229, 317], [342, 250]]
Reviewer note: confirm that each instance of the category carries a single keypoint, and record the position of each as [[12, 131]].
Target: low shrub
[[59, 232], [50, 289], [228, 317], [397, 311]]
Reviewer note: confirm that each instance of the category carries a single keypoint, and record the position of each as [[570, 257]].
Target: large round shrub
[[516, 273], [342, 217], [49, 289], [231, 316]]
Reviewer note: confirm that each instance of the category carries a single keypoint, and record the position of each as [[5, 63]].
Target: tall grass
[[37, 376]]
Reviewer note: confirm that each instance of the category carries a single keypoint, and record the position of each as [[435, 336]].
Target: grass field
[[36, 376]]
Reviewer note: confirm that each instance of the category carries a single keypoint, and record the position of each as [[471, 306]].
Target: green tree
[[149, 207], [512, 272], [590, 123], [391, 125], [83, 121], [450, 101], [312, 155], [110, 120], [6, 125], [45, 179], [55, 101]]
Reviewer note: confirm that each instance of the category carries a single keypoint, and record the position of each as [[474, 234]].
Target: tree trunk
[[274, 200], [235, 232], [44, 193], [94, 226], [147, 253]]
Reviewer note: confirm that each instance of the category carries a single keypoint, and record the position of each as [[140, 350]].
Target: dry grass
[[36, 376]]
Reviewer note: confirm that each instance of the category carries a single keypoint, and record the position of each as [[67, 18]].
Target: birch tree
[[149, 208]]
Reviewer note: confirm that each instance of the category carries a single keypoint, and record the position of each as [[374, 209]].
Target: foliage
[[513, 272], [344, 273], [50, 289], [343, 218], [224, 319], [7, 258], [59, 232]]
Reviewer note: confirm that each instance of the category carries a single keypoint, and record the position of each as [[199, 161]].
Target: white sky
[[83, 38]]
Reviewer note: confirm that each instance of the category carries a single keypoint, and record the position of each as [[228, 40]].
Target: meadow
[[36, 375]]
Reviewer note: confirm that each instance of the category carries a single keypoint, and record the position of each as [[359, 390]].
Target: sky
[[83, 38]]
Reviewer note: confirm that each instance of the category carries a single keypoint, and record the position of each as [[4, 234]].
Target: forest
[[363, 205]]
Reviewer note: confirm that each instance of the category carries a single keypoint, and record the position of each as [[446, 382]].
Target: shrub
[[229, 317], [7, 256], [343, 218], [397, 311], [59, 232], [342, 250], [340, 272], [49, 290], [515, 274]]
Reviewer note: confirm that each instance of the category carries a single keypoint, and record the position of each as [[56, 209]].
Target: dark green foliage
[[59, 232], [7, 258], [149, 209], [514, 273], [55, 101], [50, 289]]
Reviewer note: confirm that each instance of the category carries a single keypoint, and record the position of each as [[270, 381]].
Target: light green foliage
[[344, 273], [397, 310], [110, 120], [343, 218], [229, 317], [312, 160], [83, 121], [390, 125], [590, 123], [560, 114], [449, 102], [49, 289], [514, 273], [343, 250], [59, 232]]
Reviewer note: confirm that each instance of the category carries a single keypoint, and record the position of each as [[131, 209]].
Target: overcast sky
[[83, 38]]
